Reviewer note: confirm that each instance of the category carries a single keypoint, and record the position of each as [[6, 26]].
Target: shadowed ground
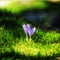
[[16, 56]]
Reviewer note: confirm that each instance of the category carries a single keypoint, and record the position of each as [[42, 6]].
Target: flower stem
[[26, 37], [30, 39]]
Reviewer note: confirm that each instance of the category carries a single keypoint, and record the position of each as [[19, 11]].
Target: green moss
[[46, 37]]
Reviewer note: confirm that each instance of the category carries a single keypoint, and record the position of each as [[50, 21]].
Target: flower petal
[[31, 31], [34, 29], [26, 27]]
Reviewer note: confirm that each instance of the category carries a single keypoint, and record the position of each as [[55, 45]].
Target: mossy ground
[[19, 48], [45, 45]]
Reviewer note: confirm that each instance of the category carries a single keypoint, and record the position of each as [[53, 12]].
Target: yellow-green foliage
[[30, 48], [51, 37], [35, 49], [46, 37]]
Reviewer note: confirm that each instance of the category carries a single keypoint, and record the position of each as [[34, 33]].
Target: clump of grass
[[42, 44], [31, 48], [51, 37], [46, 37], [37, 49], [5, 36]]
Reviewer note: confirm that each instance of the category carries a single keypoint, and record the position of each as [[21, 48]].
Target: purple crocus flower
[[31, 31], [28, 29]]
